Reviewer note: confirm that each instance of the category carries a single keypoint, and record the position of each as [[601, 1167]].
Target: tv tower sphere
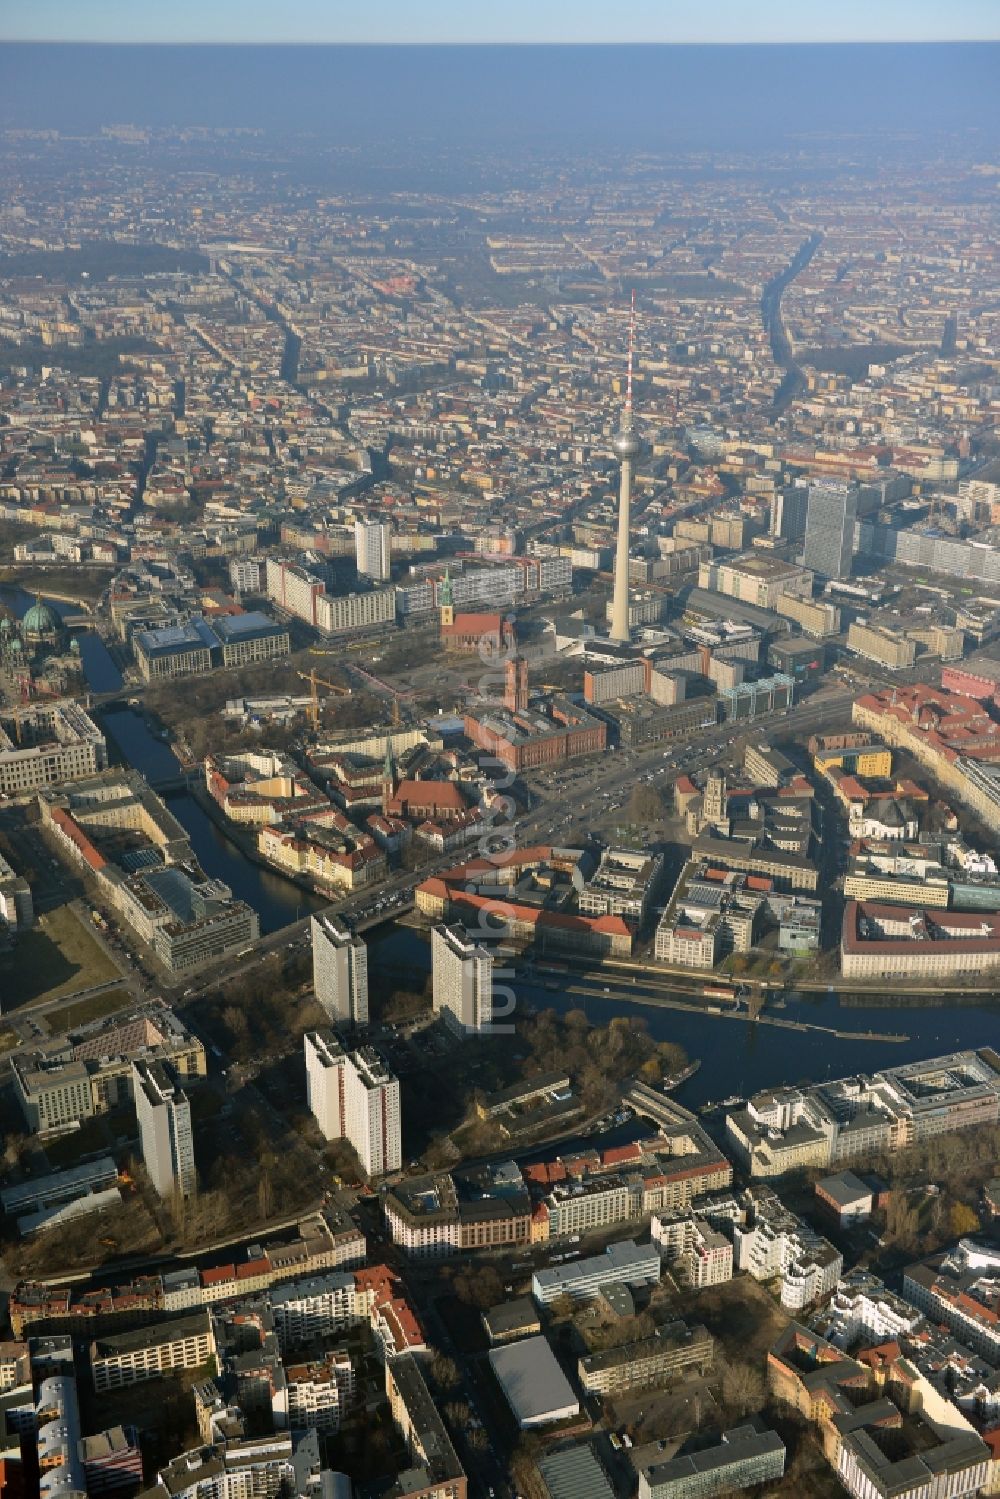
[[626, 444]]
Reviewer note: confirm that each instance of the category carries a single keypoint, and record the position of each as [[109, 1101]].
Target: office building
[[462, 979], [164, 1118], [372, 549], [671, 1350], [356, 611], [830, 518], [197, 646], [889, 941], [624, 1264], [17, 910], [340, 971], [788, 513], [742, 1458], [885, 1429], [353, 1096]]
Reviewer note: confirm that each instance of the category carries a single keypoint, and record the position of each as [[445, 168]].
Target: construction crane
[[315, 682]]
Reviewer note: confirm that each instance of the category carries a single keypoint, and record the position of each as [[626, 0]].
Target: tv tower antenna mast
[[627, 447]]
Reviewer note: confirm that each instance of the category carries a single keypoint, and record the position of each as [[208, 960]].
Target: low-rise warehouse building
[[535, 1387]]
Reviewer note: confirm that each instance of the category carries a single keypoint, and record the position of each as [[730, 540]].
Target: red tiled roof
[[73, 831]]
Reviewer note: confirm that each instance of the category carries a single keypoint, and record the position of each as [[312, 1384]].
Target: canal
[[276, 900]]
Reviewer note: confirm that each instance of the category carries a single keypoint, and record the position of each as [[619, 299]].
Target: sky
[[437, 21]]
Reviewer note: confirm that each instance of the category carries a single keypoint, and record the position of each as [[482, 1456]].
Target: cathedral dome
[[40, 620]]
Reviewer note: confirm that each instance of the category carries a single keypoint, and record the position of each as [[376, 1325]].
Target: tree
[[902, 1220], [742, 1387], [651, 1071], [644, 805], [235, 1021], [962, 1220], [457, 1413], [444, 1372]]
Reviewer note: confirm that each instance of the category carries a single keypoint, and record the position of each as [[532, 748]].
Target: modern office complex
[[830, 519], [229, 641], [164, 1118], [354, 1097], [785, 1129], [340, 970], [622, 1264], [463, 979]]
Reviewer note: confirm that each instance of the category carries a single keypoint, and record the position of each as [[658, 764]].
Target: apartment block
[[775, 1244], [372, 542], [878, 643], [340, 970], [147, 1352], [354, 1096], [436, 1472], [164, 1118], [815, 617], [462, 979]]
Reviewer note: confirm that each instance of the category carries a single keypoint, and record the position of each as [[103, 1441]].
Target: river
[[738, 1056], [100, 670], [276, 900], [770, 312]]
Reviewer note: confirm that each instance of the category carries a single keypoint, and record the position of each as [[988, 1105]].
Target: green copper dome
[[40, 620]]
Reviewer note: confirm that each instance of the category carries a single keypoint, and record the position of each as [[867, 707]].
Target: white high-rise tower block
[[340, 970], [463, 979], [372, 549]]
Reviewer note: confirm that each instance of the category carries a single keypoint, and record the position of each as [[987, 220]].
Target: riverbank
[[669, 1002], [30, 580], [247, 845]]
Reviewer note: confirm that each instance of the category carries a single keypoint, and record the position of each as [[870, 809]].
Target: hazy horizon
[[720, 95]]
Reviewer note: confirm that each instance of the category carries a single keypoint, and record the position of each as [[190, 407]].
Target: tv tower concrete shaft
[[627, 448]]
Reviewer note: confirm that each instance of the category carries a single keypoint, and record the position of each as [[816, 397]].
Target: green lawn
[[57, 958], [94, 1007]]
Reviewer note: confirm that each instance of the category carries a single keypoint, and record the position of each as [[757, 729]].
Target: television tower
[[627, 447]]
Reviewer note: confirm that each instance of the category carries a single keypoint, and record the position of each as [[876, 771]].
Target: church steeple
[[388, 778], [446, 599]]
